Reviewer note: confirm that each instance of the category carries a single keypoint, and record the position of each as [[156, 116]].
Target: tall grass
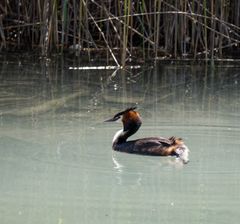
[[123, 30]]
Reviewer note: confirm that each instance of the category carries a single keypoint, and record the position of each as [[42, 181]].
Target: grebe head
[[131, 123], [120, 114], [129, 116]]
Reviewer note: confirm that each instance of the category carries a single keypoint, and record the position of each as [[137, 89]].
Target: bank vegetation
[[122, 31]]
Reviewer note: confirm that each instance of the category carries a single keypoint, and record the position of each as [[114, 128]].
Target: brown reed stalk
[[212, 34], [185, 35], [53, 26], [147, 20], [2, 35], [103, 35], [176, 36], [127, 6], [64, 22], [157, 6], [114, 27], [74, 9], [45, 28], [205, 28]]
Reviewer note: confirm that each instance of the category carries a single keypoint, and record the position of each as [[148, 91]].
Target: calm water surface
[[56, 162]]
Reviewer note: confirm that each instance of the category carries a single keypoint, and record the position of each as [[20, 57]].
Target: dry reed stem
[[180, 28]]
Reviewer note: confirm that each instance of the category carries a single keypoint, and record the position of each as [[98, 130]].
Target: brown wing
[[157, 146], [151, 146], [162, 140]]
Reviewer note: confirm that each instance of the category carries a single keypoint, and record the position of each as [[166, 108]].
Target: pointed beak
[[112, 119]]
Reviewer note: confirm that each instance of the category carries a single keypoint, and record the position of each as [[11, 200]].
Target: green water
[[56, 162]]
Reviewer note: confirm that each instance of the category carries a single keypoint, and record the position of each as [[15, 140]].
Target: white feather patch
[[116, 136], [183, 153]]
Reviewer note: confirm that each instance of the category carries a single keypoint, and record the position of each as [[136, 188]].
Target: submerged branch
[[45, 106]]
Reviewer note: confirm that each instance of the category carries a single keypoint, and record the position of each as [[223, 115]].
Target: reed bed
[[123, 31]]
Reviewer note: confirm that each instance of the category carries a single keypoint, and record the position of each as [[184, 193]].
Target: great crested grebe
[[154, 146]]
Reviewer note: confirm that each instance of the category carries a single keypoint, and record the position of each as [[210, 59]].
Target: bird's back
[[157, 146]]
